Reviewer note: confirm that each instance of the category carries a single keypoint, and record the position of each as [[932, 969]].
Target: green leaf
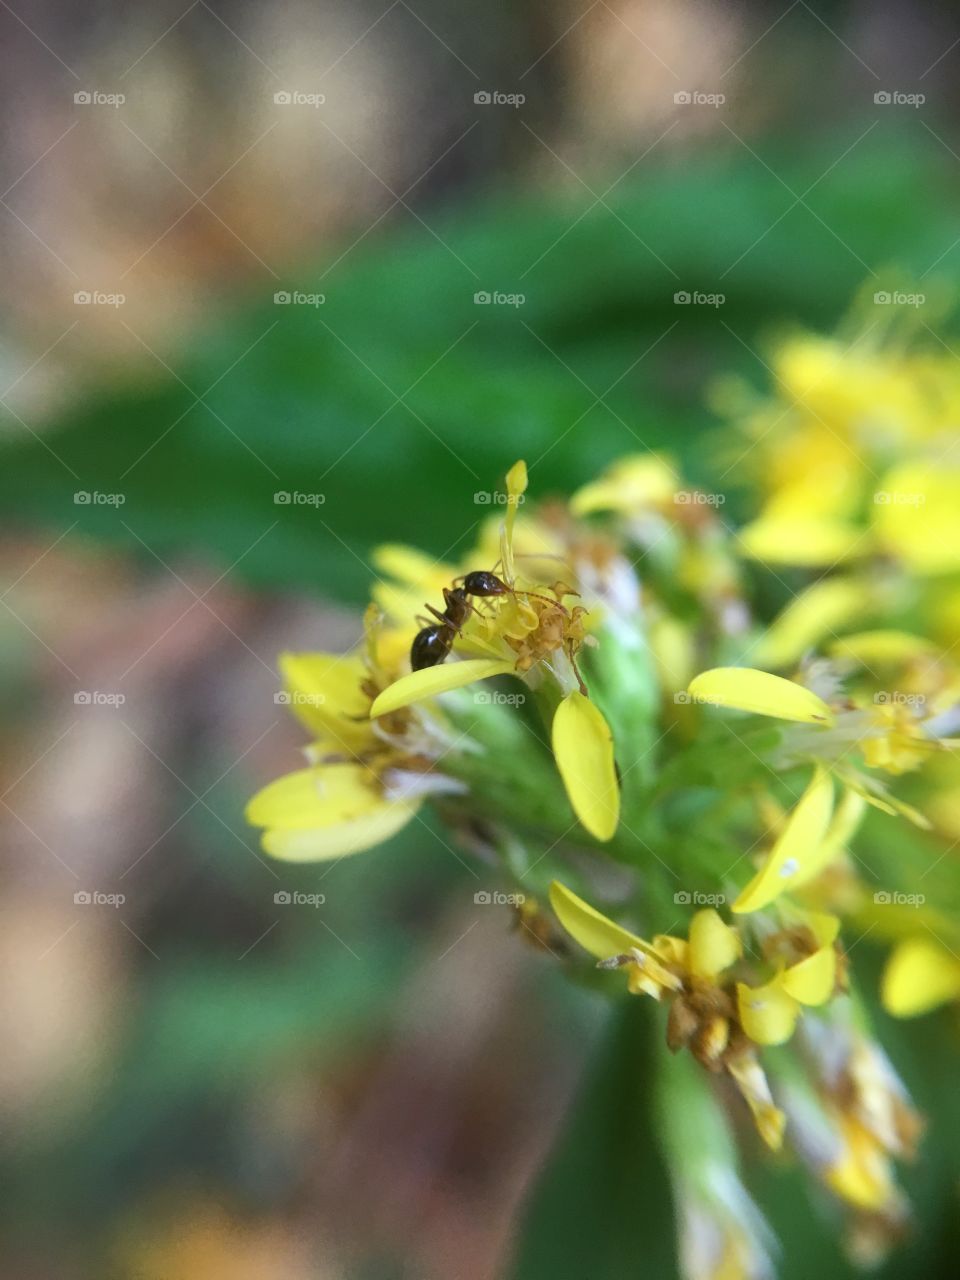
[[399, 399], [601, 1207]]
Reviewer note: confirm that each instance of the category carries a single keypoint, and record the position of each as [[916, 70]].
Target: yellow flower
[[691, 974], [849, 1130], [920, 975], [883, 648], [917, 516], [632, 486], [365, 782], [898, 742], [769, 1013], [861, 1173], [892, 738], [809, 541], [530, 632]]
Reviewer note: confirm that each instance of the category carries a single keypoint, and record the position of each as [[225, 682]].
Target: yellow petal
[[516, 488], [409, 565], [517, 479], [800, 839], [749, 1078], [595, 933], [824, 926], [432, 681], [583, 749], [309, 797], [920, 975], [325, 812], [811, 981], [843, 826], [746, 689], [714, 946], [646, 976], [768, 1014], [817, 612], [794, 540], [632, 485], [340, 839], [323, 692], [875, 648], [861, 1174], [917, 515], [673, 646], [674, 950]]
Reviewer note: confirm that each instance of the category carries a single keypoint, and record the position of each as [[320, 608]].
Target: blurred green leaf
[[398, 399], [601, 1207]]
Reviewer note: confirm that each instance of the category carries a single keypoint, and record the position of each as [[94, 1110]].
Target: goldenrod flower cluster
[[708, 759]]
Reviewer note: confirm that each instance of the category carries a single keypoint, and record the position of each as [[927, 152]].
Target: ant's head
[[483, 583]]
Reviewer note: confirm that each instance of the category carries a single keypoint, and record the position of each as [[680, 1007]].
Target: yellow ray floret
[[813, 542], [586, 925], [746, 689], [324, 812], [920, 975], [799, 842], [431, 681], [583, 748], [713, 945]]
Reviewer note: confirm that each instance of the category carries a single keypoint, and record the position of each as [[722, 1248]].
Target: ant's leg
[[576, 672], [535, 595]]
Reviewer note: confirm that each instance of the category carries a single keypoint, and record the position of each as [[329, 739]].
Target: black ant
[[433, 644]]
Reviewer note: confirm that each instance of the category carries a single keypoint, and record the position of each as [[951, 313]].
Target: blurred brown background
[[197, 1082]]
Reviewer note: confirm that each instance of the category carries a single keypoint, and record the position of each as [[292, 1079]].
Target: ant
[[433, 644]]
